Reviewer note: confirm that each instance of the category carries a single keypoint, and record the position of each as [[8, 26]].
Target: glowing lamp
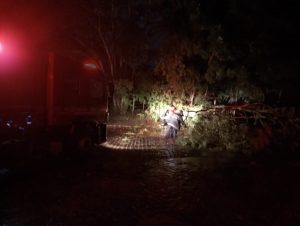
[[1, 47]]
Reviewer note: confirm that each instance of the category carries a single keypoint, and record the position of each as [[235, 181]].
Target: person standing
[[173, 121]]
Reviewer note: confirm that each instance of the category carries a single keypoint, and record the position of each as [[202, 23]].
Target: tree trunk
[[192, 97], [133, 105]]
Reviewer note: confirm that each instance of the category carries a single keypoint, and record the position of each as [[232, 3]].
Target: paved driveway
[[142, 141]]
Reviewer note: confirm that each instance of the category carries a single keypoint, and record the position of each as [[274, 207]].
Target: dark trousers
[[171, 133]]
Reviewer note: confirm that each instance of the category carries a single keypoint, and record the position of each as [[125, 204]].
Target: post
[[50, 89]]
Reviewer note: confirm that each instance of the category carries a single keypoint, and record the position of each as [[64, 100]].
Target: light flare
[[91, 66]]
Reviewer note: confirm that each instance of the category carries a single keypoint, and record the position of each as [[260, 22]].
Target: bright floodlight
[[1, 47]]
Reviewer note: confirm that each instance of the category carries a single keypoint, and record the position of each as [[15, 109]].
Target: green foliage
[[199, 100], [215, 132], [161, 97], [158, 102]]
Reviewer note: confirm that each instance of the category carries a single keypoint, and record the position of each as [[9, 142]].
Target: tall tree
[[108, 32]]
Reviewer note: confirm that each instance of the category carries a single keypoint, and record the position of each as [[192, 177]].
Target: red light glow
[[1, 47]]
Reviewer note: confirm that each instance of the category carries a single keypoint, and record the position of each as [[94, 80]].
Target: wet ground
[[111, 186]]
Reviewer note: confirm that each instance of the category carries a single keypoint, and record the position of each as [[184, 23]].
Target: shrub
[[215, 132]]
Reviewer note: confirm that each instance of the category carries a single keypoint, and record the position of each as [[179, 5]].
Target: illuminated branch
[[258, 112]]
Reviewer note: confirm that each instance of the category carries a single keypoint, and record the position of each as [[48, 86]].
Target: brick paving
[[129, 139]]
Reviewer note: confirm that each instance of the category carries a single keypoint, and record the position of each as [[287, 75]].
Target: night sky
[[39, 20]]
